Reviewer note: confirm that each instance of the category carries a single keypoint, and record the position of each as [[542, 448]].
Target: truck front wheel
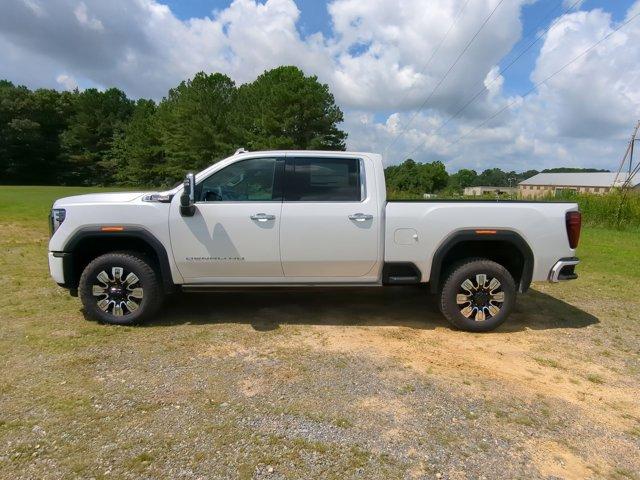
[[121, 288], [478, 295]]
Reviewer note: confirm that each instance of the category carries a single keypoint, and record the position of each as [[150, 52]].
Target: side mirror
[[187, 199]]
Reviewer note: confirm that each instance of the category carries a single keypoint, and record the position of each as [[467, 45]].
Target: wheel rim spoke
[[131, 305], [131, 279], [498, 297], [461, 299], [117, 310], [468, 286], [103, 304], [493, 284], [480, 316], [481, 279], [117, 273], [136, 293], [467, 311], [493, 310], [98, 290], [104, 277]]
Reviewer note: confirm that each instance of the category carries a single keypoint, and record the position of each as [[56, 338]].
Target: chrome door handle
[[262, 217], [360, 217]]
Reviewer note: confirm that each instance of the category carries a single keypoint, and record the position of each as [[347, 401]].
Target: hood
[[118, 197]]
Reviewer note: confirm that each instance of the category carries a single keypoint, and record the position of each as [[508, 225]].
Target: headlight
[[56, 217]]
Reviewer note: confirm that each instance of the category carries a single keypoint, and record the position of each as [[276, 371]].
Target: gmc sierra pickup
[[304, 218]]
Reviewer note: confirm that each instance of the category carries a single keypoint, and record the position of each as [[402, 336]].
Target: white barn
[[550, 184]]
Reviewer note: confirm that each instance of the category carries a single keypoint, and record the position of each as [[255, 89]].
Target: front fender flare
[[128, 231]]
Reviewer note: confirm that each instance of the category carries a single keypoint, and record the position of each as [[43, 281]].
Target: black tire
[[120, 291], [481, 305]]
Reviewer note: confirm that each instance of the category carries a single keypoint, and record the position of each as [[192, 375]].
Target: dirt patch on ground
[[554, 460], [518, 362]]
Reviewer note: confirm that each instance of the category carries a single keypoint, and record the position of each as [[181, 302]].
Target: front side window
[[325, 180], [244, 181]]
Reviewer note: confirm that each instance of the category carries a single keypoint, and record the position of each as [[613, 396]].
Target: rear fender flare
[[471, 235]]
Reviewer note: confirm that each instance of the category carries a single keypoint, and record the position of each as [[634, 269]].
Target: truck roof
[[306, 152]]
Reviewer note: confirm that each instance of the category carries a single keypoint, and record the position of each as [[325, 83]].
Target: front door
[[330, 226], [235, 231]]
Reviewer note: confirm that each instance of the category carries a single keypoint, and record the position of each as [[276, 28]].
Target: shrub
[[618, 209]]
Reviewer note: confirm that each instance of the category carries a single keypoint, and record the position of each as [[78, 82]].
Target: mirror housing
[[187, 199]]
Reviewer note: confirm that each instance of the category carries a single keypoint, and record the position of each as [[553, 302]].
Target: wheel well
[[511, 252], [90, 248], [90, 244]]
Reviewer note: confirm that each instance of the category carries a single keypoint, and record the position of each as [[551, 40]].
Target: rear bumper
[[564, 269]]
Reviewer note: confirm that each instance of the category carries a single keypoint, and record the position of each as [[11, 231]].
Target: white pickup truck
[[305, 218]]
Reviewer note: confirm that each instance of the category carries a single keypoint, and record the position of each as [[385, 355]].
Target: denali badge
[[214, 259]]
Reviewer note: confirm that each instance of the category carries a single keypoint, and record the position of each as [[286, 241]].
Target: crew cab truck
[[305, 218]]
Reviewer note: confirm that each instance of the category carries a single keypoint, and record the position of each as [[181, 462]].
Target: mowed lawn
[[317, 384]]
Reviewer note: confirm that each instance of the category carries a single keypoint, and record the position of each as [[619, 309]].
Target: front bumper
[[564, 269], [56, 267], [61, 269]]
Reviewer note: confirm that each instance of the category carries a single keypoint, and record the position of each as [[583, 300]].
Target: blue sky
[[373, 55]]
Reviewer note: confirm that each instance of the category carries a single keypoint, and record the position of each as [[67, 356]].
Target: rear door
[[330, 225]]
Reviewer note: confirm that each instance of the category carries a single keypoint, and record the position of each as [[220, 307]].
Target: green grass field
[[303, 385]]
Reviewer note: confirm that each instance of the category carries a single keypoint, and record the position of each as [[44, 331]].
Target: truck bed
[[416, 229]]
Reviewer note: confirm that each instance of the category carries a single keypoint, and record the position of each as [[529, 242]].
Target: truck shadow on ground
[[402, 307]]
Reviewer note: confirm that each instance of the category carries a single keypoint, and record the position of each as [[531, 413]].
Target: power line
[[535, 87], [436, 50], [498, 75], [464, 50]]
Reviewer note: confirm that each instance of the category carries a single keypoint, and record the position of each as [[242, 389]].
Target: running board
[[399, 280], [190, 288]]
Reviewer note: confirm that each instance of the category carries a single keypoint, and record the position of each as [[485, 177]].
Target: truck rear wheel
[[478, 295], [120, 288]]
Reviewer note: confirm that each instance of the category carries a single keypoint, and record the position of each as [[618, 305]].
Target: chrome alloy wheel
[[480, 299], [117, 294]]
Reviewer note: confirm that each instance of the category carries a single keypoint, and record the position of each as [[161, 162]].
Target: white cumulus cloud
[[67, 82]]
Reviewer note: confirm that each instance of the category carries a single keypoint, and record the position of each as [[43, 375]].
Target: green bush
[[616, 210]]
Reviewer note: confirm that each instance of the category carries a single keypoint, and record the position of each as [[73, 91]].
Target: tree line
[[94, 137], [414, 178]]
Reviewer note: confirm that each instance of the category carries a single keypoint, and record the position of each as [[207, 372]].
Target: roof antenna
[[241, 150]]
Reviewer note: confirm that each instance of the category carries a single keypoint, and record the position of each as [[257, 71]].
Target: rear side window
[[324, 180]]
